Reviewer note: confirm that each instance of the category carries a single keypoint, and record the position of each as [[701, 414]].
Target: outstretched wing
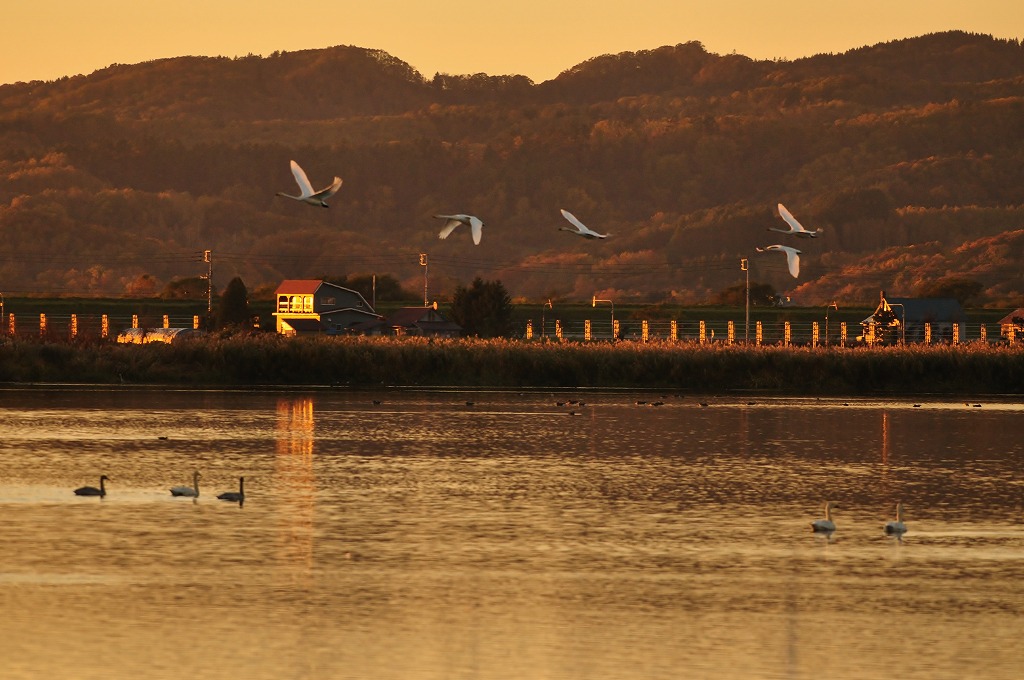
[[575, 222], [305, 188], [324, 194], [476, 224], [449, 226], [793, 261], [790, 220]]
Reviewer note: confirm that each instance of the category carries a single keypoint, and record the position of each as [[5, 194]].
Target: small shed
[[423, 321]]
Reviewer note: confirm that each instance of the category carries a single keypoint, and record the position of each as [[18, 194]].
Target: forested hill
[[909, 155]]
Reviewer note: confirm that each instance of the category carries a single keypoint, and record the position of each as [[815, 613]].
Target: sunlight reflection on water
[[426, 537]]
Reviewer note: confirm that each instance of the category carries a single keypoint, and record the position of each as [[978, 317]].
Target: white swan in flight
[[795, 228], [792, 257], [826, 524], [189, 491], [581, 229], [474, 222], [236, 496], [92, 490], [896, 527], [307, 195]]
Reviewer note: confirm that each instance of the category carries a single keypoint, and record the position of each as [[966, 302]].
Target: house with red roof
[[311, 307]]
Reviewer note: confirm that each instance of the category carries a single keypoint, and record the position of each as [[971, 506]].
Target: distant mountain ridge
[[114, 181]]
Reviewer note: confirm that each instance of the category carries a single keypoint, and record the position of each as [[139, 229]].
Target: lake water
[[422, 537]]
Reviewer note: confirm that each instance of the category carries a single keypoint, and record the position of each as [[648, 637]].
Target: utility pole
[[746, 326], [423, 263], [831, 305], [208, 258]]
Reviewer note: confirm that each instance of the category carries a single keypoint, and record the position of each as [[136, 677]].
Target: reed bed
[[268, 359]]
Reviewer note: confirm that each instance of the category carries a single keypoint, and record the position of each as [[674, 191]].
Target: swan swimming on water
[[476, 225], [92, 490], [307, 195], [792, 257], [826, 524], [581, 229], [236, 496], [896, 527], [189, 491], [795, 228]]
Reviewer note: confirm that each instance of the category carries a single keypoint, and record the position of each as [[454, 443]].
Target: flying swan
[[189, 491], [581, 229], [474, 222], [236, 496], [92, 490], [307, 195], [896, 527], [792, 257], [795, 228], [826, 524]]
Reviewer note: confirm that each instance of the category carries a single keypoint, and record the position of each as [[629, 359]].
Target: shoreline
[[678, 393], [269, 361]]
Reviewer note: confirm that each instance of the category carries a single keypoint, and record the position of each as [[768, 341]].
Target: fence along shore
[[139, 328]]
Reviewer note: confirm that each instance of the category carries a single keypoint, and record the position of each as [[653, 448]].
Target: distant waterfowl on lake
[[896, 527], [189, 491], [92, 490], [236, 496], [826, 524]]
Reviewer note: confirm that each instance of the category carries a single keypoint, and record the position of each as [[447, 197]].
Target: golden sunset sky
[[536, 38]]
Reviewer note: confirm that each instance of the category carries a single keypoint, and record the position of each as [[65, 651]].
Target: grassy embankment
[[267, 359]]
